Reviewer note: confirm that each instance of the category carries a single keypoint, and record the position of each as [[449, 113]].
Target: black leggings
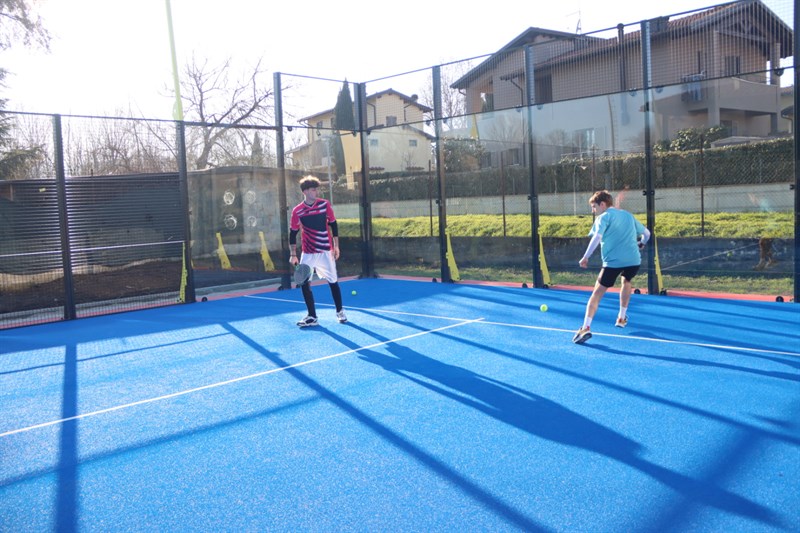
[[308, 296]]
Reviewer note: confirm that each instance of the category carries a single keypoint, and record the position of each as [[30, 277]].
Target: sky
[[111, 57]]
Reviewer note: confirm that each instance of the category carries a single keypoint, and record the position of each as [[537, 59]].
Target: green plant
[[668, 224]]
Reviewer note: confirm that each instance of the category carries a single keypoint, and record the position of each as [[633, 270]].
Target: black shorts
[[608, 275]]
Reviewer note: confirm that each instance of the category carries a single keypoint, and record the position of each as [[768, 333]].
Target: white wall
[[735, 198]]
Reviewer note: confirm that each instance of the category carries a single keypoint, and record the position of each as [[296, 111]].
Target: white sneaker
[[341, 317], [308, 321], [582, 335]]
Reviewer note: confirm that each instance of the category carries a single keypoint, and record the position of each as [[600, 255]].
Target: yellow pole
[[177, 110]]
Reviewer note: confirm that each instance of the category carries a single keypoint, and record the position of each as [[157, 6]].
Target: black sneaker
[[308, 322]]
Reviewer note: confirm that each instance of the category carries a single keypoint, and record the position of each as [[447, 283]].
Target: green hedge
[[757, 163]]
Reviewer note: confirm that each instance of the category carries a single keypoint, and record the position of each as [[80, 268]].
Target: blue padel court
[[437, 407]]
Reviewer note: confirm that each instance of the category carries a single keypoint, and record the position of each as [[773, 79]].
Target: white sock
[[587, 321], [623, 312]]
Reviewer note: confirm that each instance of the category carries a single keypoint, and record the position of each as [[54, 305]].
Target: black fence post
[[649, 192], [63, 219], [286, 281], [365, 200], [530, 87], [441, 200]]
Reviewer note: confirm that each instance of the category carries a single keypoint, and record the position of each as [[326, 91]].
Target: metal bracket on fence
[[648, 193]]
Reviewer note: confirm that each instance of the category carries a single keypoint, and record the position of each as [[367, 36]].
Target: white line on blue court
[[634, 337], [234, 380], [387, 311], [544, 328]]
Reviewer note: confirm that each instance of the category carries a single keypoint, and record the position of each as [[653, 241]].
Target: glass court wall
[[479, 169]]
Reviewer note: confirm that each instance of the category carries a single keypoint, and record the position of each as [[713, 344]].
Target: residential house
[[395, 137], [719, 66]]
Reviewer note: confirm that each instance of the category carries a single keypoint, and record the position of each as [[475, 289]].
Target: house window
[[488, 102], [544, 89], [412, 143], [391, 120], [373, 142], [733, 65], [730, 127], [701, 61], [512, 156], [486, 160], [320, 124]]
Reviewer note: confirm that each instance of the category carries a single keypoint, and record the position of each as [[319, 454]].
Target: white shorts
[[323, 263]]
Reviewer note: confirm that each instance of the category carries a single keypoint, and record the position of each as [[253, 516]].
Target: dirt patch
[[142, 280]]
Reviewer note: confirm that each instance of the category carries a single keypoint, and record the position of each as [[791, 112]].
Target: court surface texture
[[437, 407]]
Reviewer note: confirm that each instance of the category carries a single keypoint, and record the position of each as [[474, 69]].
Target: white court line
[[370, 309], [230, 381], [667, 341], [543, 328]]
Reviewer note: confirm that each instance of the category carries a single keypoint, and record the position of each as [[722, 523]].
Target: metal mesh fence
[[126, 240], [30, 244], [475, 169]]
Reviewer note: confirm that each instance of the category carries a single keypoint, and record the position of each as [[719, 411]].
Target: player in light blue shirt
[[621, 238]]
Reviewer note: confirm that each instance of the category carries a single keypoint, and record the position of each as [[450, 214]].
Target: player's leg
[[606, 279], [593, 303], [326, 269], [624, 301], [625, 295], [336, 292], [311, 318]]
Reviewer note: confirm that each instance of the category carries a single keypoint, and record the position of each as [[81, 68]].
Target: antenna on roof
[[578, 25]]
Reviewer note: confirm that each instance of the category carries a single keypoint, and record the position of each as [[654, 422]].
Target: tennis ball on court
[[353, 293], [543, 308]]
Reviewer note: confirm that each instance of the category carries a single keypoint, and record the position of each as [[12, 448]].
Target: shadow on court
[[546, 419]]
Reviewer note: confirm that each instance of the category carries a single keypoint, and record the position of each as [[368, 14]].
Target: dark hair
[[602, 196], [309, 182]]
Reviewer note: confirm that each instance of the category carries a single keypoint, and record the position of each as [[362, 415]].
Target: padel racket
[[302, 273]]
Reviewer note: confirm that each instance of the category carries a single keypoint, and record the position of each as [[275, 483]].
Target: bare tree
[[453, 101], [115, 146], [213, 98], [18, 24]]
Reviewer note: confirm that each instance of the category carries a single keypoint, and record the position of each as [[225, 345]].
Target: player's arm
[[334, 238], [593, 243], [294, 229], [643, 238], [293, 246]]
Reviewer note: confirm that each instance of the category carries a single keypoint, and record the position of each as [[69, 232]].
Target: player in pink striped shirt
[[319, 246]]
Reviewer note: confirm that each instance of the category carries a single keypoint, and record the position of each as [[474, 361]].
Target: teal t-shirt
[[620, 229]]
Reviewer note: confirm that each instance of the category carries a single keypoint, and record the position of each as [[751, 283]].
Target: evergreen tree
[[257, 153], [344, 120]]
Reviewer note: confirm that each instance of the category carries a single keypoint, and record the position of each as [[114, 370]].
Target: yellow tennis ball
[[543, 308], [353, 293]]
